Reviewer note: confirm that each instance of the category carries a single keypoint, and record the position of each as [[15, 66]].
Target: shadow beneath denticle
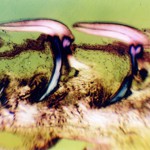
[[84, 85]]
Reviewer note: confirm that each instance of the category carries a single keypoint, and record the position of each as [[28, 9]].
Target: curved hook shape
[[124, 90], [57, 50], [46, 26], [58, 32], [49, 27], [124, 33]]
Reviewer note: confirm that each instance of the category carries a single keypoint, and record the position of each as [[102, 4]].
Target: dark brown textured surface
[[71, 111], [119, 49], [28, 45]]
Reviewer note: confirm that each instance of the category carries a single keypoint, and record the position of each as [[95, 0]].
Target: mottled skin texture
[[71, 113], [124, 122], [74, 111]]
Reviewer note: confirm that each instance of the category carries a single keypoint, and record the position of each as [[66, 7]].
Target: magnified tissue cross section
[[87, 81], [113, 67]]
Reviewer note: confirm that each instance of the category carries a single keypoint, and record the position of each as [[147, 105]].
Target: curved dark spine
[[56, 46], [125, 89]]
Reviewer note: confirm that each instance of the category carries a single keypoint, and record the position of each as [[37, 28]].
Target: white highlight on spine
[[76, 64], [54, 80]]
